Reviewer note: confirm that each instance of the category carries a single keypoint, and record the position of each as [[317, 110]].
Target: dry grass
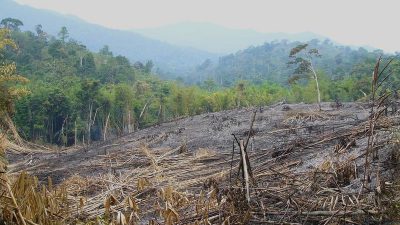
[[202, 153], [37, 204], [170, 186], [305, 116], [3, 160]]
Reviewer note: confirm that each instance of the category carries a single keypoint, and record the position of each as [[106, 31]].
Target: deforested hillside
[[306, 166], [100, 125], [79, 96]]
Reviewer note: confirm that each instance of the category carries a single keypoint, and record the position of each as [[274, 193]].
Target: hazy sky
[[355, 22]]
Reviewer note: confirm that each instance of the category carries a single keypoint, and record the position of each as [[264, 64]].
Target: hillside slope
[[268, 62], [297, 154]]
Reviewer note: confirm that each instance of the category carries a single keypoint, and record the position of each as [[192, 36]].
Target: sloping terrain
[[210, 131], [307, 166], [169, 58]]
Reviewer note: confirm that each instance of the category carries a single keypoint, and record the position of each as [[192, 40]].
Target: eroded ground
[[302, 160]]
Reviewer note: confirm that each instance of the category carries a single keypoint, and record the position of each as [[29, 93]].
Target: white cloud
[[355, 22]]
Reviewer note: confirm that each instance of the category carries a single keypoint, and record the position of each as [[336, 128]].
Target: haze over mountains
[[136, 47], [176, 50], [219, 39]]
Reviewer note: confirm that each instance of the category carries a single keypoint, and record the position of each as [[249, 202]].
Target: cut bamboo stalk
[[14, 201], [245, 171], [105, 127]]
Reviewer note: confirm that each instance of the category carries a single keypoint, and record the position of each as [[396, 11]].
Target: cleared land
[[307, 166]]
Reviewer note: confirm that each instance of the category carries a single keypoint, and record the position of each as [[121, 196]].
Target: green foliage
[[105, 51], [63, 34], [10, 91], [95, 96], [9, 78], [11, 23], [269, 62]]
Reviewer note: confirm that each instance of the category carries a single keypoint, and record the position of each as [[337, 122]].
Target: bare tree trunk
[[106, 126], [31, 126], [129, 121], [317, 83], [11, 127], [75, 134], [245, 170], [160, 119], [89, 123], [64, 139], [143, 111]]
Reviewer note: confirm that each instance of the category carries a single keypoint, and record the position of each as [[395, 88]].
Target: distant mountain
[[218, 39], [169, 58]]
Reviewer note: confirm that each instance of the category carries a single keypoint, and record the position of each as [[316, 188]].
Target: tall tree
[[106, 51], [11, 24], [87, 95], [302, 57], [63, 34], [162, 95], [148, 66], [240, 92], [86, 65], [40, 33], [9, 92]]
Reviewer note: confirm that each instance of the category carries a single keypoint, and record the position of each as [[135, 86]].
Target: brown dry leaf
[[28, 213], [121, 220], [142, 183], [133, 217], [325, 166], [107, 204], [113, 200], [152, 222], [212, 194], [226, 221], [81, 202], [132, 204], [50, 184], [170, 216]]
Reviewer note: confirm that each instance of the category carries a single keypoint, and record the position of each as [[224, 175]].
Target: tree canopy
[[77, 96]]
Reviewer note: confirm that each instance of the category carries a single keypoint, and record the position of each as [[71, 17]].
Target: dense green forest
[[269, 62], [78, 96]]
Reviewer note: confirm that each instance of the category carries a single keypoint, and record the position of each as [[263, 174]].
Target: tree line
[[76, 96]]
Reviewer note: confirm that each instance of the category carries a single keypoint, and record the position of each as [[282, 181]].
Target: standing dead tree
[[244, 163], [378, 107]]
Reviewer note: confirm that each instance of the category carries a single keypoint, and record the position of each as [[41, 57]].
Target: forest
[[281, 133], [79, 96], [269, 62]]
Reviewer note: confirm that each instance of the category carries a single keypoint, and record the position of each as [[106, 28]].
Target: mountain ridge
[[217, 38], [169, 58]]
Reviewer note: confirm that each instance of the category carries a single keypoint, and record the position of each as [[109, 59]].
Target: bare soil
[[212, 131], [287, 140]]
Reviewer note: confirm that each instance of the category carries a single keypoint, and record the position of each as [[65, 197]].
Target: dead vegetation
[[307, 184]]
